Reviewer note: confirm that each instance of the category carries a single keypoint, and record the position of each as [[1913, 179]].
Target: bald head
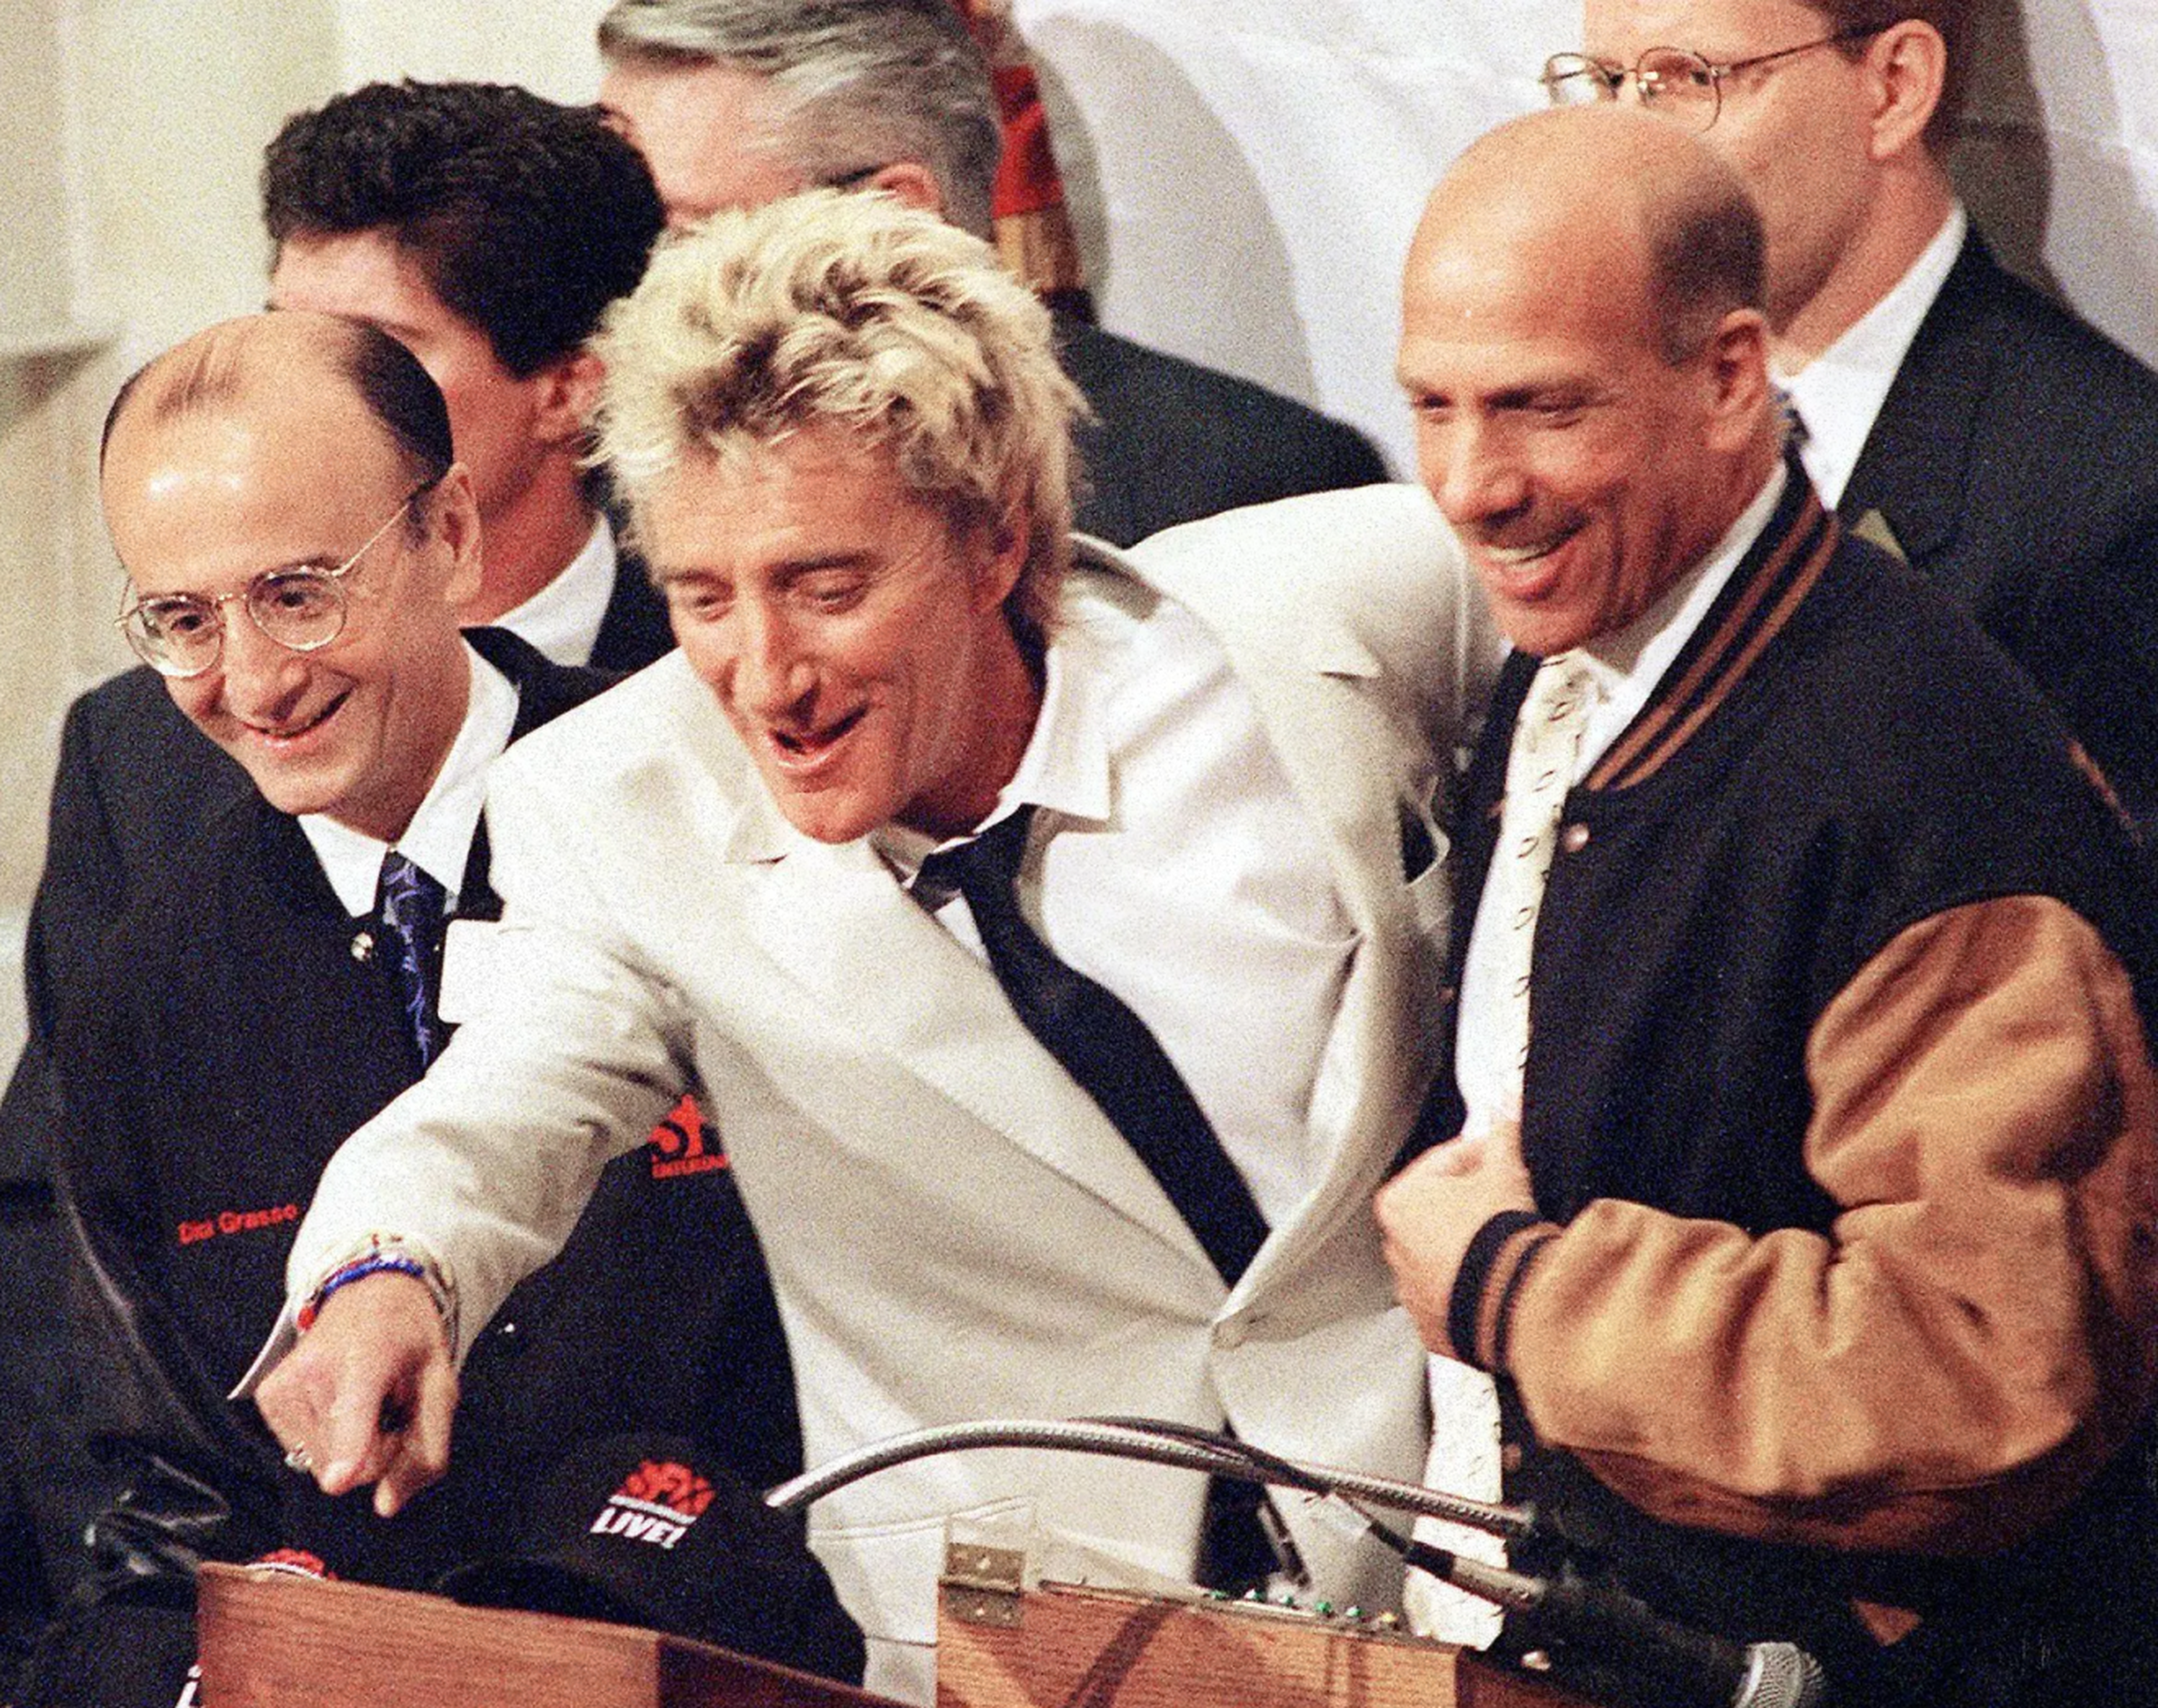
[[1582, 343], [221, 366], [281, 493], [1617, 198]]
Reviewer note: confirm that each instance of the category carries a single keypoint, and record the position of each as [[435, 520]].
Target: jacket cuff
[[1481, 1310]]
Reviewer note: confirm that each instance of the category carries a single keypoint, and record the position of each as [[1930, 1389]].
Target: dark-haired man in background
[[488, 230], [299, 543], [737, 102], [1951, 412]]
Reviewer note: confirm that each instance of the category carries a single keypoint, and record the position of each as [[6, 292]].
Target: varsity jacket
[[1834, 1320]]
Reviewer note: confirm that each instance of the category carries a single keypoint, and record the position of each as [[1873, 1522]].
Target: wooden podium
[[1064, 1646], [275, 1639]]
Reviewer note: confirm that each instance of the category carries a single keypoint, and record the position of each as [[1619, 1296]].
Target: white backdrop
[[1246, 172], [1254, 167]]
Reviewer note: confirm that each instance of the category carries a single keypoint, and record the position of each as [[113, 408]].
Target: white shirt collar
[[563, 618], [1065, 767], [1839, 393], [1627, 666], [439, 838]]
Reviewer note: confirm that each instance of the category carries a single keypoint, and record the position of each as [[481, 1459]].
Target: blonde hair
[[851, 310]]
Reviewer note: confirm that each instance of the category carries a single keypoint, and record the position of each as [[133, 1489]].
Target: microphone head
[[1781, 1676]]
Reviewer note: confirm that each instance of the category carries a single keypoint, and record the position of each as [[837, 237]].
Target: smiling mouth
[[1523, 570], [804, 750], [286, 735]]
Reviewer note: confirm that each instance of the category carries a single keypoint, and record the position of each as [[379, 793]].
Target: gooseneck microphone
[[1621, 1651], [1595, 1634], [1160, 1443]]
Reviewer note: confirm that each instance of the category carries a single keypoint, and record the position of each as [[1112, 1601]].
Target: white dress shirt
[[1171, 863], [439, 838], [563, 618], [1839, 393]]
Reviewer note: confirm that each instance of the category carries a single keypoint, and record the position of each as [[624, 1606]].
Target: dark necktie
[[412, 906], [1105, 1047], [1116, 1062]]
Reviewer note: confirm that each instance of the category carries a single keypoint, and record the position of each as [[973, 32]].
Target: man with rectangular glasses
[[1949, 412]]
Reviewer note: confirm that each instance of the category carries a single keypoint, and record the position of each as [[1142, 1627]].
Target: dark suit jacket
[[2013, 463], [233, 1027], [635, 629], [1171, 441], [136, 781]]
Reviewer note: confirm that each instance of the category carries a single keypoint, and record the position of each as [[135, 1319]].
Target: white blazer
[[954, 1230]]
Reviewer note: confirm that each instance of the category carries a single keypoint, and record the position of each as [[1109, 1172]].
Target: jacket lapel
[[1916, 462], [1330, 732], [834, 920], [544, 690]]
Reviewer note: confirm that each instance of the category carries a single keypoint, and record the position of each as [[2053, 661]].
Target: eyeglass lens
[[1678, 85], [302, 609]]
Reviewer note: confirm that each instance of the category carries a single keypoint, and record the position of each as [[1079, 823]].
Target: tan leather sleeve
[[1973, 1337]]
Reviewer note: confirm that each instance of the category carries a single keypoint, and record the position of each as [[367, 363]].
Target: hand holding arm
[[1952, 1360], [1432, 1212]]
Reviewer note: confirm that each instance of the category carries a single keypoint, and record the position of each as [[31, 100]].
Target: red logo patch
[[664, 1484], [297, 1560], [684, 1144]]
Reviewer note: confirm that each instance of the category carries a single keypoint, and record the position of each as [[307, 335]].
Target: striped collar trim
[[1780, 571]]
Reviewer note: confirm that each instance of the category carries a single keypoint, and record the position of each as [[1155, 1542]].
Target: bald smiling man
[[1799, 1135]]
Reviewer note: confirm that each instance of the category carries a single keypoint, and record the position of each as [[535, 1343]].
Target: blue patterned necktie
[[412, 906]]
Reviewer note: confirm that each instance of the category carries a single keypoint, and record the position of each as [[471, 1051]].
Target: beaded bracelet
[[374, 1263]]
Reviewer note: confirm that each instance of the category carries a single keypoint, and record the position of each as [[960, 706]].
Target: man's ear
[[1008, 540], [1908, 63], [569, 392], [1736, 358], [454, 516], [910, 184]]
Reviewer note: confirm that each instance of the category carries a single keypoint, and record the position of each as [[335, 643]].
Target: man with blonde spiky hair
[[933, 783]]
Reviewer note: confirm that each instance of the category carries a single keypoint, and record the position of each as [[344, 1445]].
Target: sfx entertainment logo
[[683, 1144], [656, 1504]]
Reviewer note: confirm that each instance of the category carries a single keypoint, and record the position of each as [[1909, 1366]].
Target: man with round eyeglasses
[[416, 206], [1949, 412], [302, 607], [342, 689], [297, 541]]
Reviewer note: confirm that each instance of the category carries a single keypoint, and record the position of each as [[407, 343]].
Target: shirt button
[[1574, 838], [363, 946]]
